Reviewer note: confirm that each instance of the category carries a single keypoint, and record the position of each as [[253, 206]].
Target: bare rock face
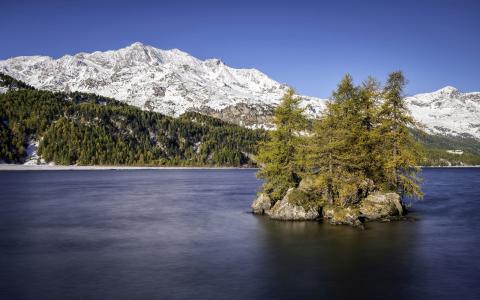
[[381, 205], [249, 115], [342, 215], [261, 205], [287, 211]]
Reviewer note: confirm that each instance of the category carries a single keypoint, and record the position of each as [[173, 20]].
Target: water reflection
[[338, 262], [187, 234]]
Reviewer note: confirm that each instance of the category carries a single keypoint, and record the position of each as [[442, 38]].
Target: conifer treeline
[[361, 139], [86, 129], [12, 83]]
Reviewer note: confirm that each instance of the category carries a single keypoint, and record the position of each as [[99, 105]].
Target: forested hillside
[[87, 129], [436, 147], [13, 84]]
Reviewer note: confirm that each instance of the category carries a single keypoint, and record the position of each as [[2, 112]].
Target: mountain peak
[[447, 111], [213, 62], [137, 44], [448, 90]]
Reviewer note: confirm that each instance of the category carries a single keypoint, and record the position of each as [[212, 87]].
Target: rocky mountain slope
[[167, 81], [448, 112], [173, 82]]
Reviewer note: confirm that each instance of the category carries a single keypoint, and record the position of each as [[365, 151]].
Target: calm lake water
[[188, 234]]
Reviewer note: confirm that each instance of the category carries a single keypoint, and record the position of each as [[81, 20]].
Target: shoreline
[[18, 167], [451, 167]]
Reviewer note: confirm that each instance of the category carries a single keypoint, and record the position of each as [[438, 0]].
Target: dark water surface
[[188, 234]]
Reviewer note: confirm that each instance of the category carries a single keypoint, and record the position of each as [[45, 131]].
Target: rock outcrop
[[261, 205], [342, 215], [287, 211], [375, 206], [381, 205], [243, 114]]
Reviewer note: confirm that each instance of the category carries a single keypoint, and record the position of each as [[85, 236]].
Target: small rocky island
[[353, 164], [376, 206]]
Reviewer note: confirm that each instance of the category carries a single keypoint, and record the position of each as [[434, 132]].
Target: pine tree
[[400, 151], [278, 155]]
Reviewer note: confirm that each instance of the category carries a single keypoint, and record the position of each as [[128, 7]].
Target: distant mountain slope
[[167, 81], [173, 82], [443, 150], [448, 112]]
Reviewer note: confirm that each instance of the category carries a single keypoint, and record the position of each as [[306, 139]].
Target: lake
[[189, 234]]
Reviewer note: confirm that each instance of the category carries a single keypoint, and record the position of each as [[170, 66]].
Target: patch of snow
[[32, 156], [457, 152]]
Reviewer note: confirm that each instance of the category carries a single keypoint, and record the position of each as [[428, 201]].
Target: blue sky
[[307, 44]]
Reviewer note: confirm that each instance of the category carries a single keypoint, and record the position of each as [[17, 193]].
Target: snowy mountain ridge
[[447, 111], [167, 81], [173, 82]]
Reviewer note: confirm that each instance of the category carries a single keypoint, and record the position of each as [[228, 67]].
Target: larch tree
[[400, 152], [333, 153], [278, 156], [368, 142], [361, 142]]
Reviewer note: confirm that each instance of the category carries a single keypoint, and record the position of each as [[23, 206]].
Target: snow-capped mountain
[[167, 81], [173, 82], [447, 111]]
